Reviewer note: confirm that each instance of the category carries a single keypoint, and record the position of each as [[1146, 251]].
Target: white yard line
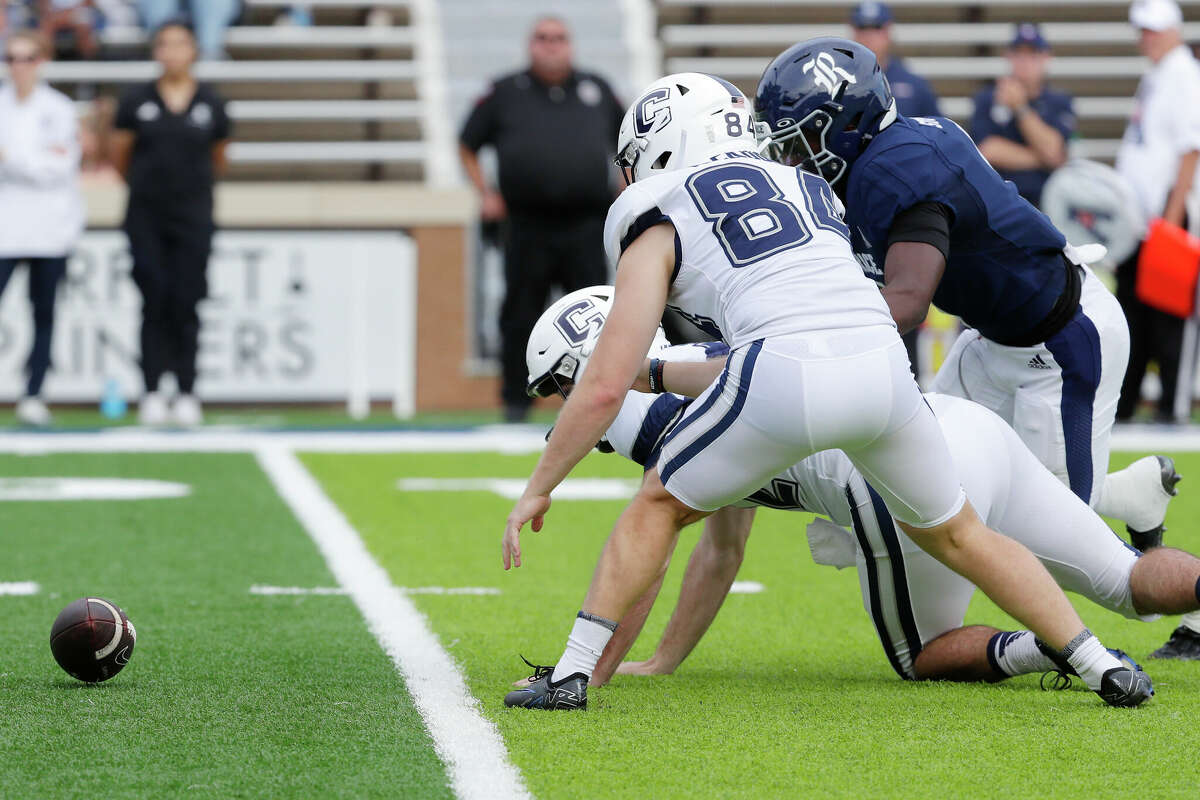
[[469, 745], [19, 588]]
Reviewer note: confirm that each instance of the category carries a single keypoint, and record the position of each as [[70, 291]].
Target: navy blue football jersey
[[1006, 267]]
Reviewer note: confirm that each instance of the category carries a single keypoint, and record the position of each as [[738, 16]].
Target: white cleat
[[33, 412], [152, 411], [1160, 477], [186, 411]]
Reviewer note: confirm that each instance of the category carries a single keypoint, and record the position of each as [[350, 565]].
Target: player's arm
[[688, 378], [918, 245], [643, 279], [1177, 198], [713, 565]]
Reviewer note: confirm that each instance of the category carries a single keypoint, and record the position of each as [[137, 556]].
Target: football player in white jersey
[[757, 251], [916, 603]]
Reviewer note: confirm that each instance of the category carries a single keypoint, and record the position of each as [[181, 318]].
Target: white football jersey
[[761, 249]]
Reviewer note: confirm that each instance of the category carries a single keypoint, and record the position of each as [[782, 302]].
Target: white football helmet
[[679, 121], [564, 337]]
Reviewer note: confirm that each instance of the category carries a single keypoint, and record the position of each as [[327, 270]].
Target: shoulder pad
[[633, 204]]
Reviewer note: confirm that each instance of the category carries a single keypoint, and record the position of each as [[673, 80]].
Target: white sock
[[1135, 495], [1191, 621], [1090, 659], [1016, 653], [584, 646]]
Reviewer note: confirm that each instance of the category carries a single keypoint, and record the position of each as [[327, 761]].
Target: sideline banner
[[290, 316]]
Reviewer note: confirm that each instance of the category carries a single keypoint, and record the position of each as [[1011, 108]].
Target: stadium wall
[[436, 221]]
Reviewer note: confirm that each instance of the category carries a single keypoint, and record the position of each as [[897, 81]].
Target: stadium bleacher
[[348, 100], [956, 45]]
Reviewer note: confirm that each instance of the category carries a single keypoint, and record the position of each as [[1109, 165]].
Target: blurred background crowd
[[534, 146]]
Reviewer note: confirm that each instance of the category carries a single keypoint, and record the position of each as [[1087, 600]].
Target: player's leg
[[965, 373], [911, 467], [633, 557], [911, 597]]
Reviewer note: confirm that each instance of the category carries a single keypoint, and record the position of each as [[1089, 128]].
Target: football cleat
[[1059, 679], [1125, 688], [1184, 645], [567, 695], [1169, 476]]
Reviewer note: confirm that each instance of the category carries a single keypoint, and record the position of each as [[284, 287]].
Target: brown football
[[92, 639]]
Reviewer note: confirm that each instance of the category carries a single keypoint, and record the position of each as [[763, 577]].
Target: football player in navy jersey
[[933, 223]]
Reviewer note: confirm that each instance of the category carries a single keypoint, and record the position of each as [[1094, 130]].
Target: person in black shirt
[[170, 146], [554, 129]]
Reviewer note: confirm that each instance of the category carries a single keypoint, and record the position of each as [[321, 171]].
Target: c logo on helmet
[[652, 109], [577, 320], [826, 72]]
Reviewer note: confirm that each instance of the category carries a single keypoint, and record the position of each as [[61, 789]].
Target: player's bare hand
[[650, 667], [531, 509]]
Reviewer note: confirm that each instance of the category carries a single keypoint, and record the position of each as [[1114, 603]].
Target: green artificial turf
[[789, 695], [227, 694]]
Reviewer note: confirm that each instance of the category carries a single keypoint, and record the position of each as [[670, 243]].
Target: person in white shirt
[[40, 200], [1158, 158]]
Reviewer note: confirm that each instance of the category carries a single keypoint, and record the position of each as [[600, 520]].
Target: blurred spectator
[[1021, 125], [170, 146], [209, 19], [40, 203], [95, 144], [76, 18], [872, 23], [1158, 158], [554, 129]]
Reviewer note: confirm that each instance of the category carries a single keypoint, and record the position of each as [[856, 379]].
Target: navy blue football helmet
[[820, 103]]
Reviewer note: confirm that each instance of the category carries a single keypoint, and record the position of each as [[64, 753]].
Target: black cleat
[[1147, 540], [1184, 645], [567, 695], [1059, 679], [1125, 688]]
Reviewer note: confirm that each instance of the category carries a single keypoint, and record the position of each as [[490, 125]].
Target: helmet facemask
[[558, 380], [804, 144]]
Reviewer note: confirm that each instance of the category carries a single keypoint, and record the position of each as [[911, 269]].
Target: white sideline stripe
[[513, 488], [469, 745], [495, 439], [18, 588], [337, 590], [747, 587]]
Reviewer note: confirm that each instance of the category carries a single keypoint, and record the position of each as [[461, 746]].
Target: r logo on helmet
[[826, 72], [651, 109]]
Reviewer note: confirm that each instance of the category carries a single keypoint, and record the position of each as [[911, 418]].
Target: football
[[92, 639]]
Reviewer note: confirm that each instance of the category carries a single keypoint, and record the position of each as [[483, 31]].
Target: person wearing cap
[[553, 128], [872, 24], [40, 201], [1021, 125], [1158, 157]]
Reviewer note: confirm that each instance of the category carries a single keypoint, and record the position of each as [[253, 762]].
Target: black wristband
[[656, 375]]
